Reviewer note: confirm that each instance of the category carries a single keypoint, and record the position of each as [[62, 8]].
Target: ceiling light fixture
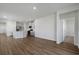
[[4, 16], [34, 8]]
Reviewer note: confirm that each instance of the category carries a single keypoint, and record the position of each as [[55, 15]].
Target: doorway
[[69, 30], [61, 33]]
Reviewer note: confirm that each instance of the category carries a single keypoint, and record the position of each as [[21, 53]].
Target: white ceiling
[[24, 11]]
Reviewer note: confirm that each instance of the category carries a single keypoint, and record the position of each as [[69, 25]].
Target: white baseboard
[[47, 38]]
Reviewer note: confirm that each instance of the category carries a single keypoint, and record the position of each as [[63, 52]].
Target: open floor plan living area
[[39, 28]]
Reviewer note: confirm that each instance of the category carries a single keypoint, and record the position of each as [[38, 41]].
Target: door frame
[[59, 36]]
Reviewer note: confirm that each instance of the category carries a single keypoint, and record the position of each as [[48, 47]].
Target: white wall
[[69, 24], [77, 28], [10, 27], [2, 27], [64, 28], [70, 27], [59, 29], [45, 27]]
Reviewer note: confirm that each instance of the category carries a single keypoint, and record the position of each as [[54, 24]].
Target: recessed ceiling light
[[4, 16], [34, 8]]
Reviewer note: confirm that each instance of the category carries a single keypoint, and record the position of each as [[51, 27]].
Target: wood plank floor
[[69, 39], [34, 46]]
